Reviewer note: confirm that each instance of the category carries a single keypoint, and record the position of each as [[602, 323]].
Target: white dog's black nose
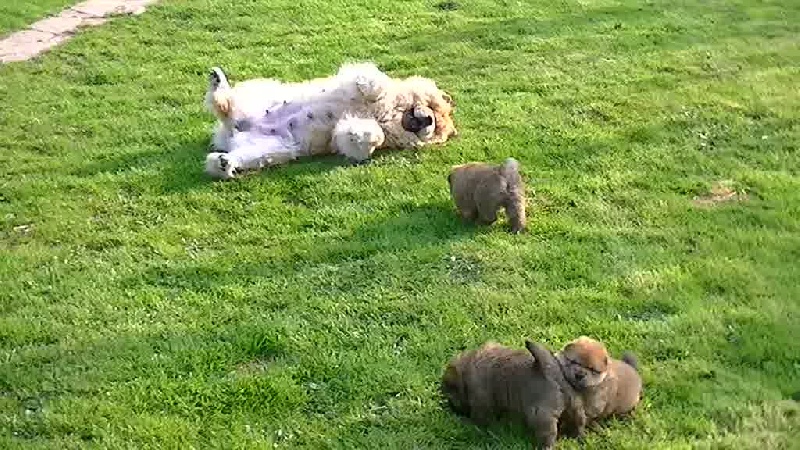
[[415, 120]]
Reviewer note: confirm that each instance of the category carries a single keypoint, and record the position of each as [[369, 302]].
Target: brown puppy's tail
[[515, 205], [630, 359], [218, 95]]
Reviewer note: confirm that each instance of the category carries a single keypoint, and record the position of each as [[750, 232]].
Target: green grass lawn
[[314, 305], [18, 14]]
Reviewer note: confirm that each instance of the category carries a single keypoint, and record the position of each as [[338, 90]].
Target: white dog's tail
[[218, 96]]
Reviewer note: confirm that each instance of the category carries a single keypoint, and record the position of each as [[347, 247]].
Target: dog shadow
[[318, 164], [179, 168]]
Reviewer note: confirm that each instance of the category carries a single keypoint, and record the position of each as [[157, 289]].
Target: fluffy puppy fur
[[479, 190], [494, 381], [606, 386], [263, 122]]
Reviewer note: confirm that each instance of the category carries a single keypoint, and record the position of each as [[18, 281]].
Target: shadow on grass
[[185, 169], [407, 227], [178, 168], [318, 164], [181, 167], [360, 253]]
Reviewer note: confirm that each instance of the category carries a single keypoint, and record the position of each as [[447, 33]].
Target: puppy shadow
[[407, 227], [498, 432]]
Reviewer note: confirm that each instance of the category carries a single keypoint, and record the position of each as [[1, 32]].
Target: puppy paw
[[221, 165]]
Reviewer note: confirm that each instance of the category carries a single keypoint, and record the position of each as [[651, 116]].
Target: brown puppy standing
[[479, 190], [607, 386], [495, 380]]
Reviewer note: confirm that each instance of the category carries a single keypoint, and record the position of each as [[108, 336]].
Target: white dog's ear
[[449, 99]]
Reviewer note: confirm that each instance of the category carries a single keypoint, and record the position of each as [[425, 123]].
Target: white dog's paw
[[369, 79], [356, 138], [372, 87], [371, 136], [218, 95], [221, 165]]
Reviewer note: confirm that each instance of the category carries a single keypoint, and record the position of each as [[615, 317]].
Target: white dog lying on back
[[265, 122]]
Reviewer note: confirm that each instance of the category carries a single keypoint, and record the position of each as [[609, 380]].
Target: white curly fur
[[263, 122]]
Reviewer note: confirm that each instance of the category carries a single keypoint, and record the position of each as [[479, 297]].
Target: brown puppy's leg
[[479, 407], [469, 214], [515, 194], [545, 427], [487, 211], [489, 197], [515, 210], [487, 218], [574, 425]]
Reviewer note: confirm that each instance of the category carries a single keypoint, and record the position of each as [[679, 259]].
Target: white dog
[[263, 122]]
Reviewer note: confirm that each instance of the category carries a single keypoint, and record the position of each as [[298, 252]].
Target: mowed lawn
[[18, 14], [144, 305]]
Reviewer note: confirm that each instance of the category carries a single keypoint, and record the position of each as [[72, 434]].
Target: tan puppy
[[479, 190], [493, 380], [607, 386]]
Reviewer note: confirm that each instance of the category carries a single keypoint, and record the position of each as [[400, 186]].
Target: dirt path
[[47, 33]]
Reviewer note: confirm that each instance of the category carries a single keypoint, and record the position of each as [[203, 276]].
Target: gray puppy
[[493, 381], [479, 190]]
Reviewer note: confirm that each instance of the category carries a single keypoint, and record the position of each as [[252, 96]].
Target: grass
[[18, 14], [314, 305]]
